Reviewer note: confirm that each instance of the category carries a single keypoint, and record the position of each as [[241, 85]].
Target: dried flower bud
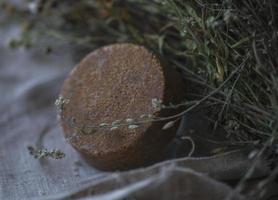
[[103, 125], [113, 128], [133, 126], [129, 120], [168, 125]]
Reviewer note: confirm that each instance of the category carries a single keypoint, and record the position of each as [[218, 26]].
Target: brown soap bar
[[119, 82]]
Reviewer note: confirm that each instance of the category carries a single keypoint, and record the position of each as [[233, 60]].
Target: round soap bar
[[116, 88]]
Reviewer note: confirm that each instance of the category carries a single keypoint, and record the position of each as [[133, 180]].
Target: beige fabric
[[174, 179]]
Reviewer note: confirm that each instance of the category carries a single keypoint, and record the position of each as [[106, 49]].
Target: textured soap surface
[[118, 82]]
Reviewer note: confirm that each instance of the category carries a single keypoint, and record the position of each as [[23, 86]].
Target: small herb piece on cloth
[[43, 153]]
